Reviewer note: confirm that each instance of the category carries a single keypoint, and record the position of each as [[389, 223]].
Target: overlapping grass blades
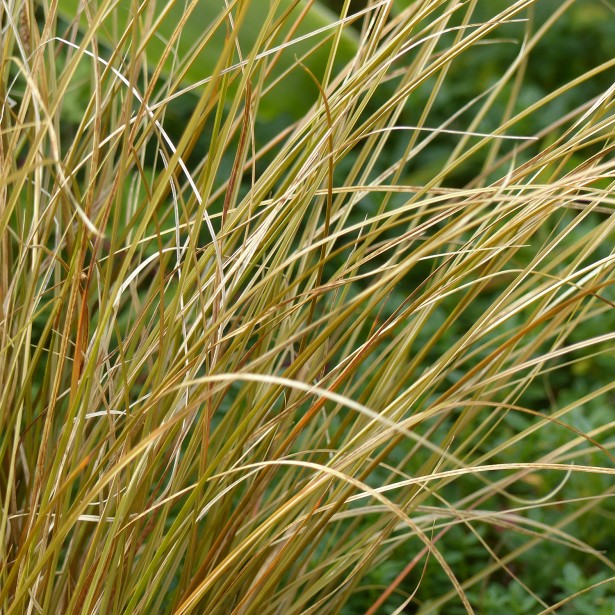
[[243, 368]]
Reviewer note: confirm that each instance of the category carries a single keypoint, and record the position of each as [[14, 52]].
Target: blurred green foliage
[[289, 96], [579, 40]]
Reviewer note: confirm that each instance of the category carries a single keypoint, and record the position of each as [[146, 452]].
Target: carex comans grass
[[243, 369]]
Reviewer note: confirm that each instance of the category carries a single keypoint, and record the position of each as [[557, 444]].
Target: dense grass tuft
[[297, 323]]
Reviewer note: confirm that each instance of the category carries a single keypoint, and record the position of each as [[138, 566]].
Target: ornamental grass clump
[[305, 308]]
